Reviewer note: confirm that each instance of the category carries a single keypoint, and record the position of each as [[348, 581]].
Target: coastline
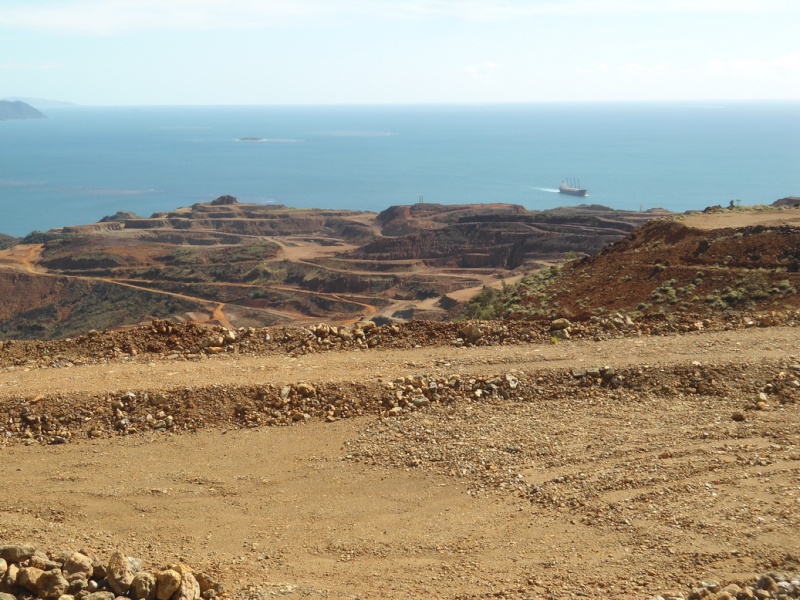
[[632, 156]]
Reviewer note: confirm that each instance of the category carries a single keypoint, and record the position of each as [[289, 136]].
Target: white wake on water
[[551, 190]]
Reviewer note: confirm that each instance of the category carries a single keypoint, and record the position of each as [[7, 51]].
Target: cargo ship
[[572, 188]]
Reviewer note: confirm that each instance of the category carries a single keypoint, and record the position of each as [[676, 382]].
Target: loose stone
[[28, 578], [51, 584], [119, 573], [143, 586], [78, 564], [168, 583], [16, 554]]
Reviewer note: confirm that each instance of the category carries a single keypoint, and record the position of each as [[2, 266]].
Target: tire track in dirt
[[592, 492]]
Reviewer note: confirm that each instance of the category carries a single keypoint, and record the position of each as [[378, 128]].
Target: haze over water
[[82, 164]]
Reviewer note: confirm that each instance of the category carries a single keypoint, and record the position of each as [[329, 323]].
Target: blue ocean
[[81, 164]]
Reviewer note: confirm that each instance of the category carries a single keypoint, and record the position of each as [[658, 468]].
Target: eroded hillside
[[702, 265], [254, 265], [619, 456]]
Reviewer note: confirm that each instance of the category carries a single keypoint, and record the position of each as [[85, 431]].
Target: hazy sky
[[138, 52]]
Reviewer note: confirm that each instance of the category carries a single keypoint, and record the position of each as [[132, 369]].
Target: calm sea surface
[[84, 163]]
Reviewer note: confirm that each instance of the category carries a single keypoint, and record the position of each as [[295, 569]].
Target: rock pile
[[62, 417], [163, 340], [415, 392], [777, 586], [26, 573]]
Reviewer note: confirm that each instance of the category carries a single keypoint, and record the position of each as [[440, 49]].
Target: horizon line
[[70, 104]]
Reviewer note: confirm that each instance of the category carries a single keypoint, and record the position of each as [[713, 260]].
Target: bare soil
[[704, 263], [569, 489], [743, 218], [444, 460], [245, 265]]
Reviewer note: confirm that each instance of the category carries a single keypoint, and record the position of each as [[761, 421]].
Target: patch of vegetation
[[224, 255], [529, 296], [229, 264], [750, 288], [86, 261], [665, 293], [485, 305], [42, 237], [7, 241], [91, 306]]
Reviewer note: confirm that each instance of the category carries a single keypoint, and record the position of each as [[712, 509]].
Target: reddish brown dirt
[[616, 464], [749, 260], [570, 488], [744, 218], [336, 265]]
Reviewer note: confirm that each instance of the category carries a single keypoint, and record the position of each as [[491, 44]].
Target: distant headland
[[16, 109], [41, 103]]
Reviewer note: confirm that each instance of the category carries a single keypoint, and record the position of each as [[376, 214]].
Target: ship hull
[[572, 191]]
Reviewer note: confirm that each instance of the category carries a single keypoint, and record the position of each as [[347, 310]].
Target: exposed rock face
[[491, 236], [226, 252], [12, 110], [266, 265], [28, 578]]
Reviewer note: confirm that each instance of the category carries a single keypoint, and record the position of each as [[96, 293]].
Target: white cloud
[[28, 66], [110, 16], [479, 69], [640, 69], [788, 64], [505, 9], [733, 78]]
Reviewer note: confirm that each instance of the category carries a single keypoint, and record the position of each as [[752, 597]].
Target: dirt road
[[598, 492], [718, 347]]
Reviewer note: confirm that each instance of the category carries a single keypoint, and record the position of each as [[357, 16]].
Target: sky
[[251, 52]]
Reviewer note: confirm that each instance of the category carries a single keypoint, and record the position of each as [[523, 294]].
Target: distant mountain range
[[41, 103], [10, 110]]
